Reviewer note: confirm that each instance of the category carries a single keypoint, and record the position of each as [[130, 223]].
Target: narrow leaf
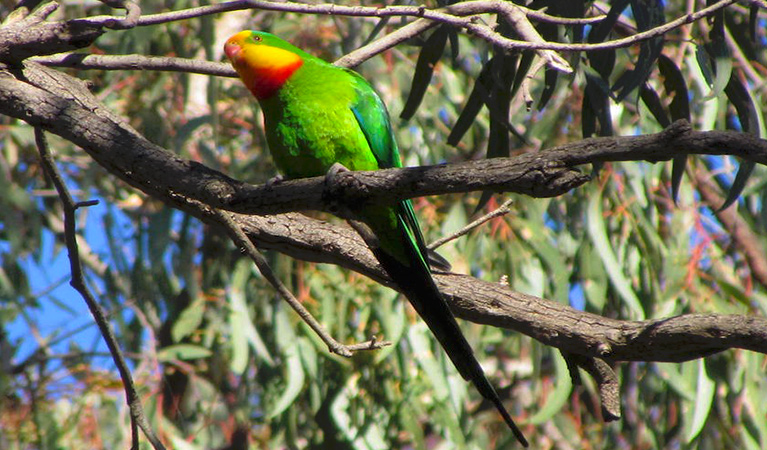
[[183, 352], [648, 14], [559, 397], [745, 106], [293, 369], [679, 108], [550, 84], [753, 17], [651, 99], [424, 70], [597, 231], [473, 105], [719, 54], [704, 398]]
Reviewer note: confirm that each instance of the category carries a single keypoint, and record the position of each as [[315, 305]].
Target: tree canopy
[[594, 171]]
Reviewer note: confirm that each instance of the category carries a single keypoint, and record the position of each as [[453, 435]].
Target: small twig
[[138, 418], [366, 52], [131, 19], [241, 240], [137, 62], [500, 211], [460, 15], [521, 23], [525, 90], [604, 376], [21, 11]]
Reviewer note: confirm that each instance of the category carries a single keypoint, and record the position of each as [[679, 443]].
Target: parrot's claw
[[275, 180], [335, 169]]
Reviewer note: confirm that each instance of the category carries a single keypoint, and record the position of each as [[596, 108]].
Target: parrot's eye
[[257, 38]]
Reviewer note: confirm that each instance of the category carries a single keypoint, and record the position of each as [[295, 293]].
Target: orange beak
[[233, 46]]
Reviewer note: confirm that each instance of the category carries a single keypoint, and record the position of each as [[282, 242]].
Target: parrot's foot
[[336, 191], [275, 180], [335, 169]]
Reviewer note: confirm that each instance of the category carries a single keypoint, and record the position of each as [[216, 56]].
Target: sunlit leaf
[[704, 398], [597, 232], [293, 369], [183, 352], [556, 399]]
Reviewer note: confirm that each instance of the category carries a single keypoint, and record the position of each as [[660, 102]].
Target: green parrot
[[317, 114]]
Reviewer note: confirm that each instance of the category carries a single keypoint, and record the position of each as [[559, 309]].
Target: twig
[[739, 231], [241, 240], [461, 15], [366, 52], [605, 378], [138, 418], [137, 62], [500, 211]]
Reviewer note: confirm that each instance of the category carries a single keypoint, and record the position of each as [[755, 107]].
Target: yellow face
[[250, 49], [262, 66]]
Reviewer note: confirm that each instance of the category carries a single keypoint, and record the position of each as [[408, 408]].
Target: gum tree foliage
[[220, 361]]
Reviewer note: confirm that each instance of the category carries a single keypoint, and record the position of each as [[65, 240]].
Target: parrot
[[318, 115]]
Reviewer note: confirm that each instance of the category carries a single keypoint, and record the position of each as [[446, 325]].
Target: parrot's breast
[[310, 125]]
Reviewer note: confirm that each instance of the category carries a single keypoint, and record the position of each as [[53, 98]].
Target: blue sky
[[61, 308]]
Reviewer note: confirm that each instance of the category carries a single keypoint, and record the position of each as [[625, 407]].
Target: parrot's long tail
[[416, 282]]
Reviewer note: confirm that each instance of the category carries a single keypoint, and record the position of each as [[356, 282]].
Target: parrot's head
[[263, 61]]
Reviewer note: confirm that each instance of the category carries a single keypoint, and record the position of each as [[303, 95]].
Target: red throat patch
[[266, 82]]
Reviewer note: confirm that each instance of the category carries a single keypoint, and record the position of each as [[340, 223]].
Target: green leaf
[[597, 231], [557, 399], [472, 107], [391, 313], [291, 362], [714, 58], [738, 184], [189, 320], [421, 341], [242, 331], [652, 100], [183, 352], [679, 108], [753, 17], [159, 233], [704, 398], [596, 105], [550, 84]]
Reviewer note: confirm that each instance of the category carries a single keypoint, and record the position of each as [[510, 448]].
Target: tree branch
[[240, 239], [137, 62], [120, 149], [138, 418], [81, 32]]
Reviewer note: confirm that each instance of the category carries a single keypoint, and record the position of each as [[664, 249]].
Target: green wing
[[373, 119]]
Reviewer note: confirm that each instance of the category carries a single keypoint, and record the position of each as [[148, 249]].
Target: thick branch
[[48, 102], [33, 35], [673, 339]]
